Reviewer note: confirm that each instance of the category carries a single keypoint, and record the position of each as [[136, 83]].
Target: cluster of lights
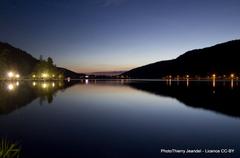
[[44, 75], [213, 76], [12, 75], [231, 76]]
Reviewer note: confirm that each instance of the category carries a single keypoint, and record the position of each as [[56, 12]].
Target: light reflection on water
[[121, 118], [12, 85]]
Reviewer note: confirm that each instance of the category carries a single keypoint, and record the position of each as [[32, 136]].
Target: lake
[[121, 118]]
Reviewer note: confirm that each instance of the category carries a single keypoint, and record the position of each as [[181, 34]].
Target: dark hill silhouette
[[221, 59], [12, 58], [15, 59], [69, 73]]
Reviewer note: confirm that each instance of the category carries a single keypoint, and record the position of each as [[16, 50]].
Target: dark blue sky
[[104, 35]]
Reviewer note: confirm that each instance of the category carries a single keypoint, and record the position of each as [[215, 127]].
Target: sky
[[114, 35]]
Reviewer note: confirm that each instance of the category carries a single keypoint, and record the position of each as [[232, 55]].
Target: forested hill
[[15, 59], [221, 59]]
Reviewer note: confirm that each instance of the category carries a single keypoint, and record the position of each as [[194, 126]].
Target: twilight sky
[[106, 35]]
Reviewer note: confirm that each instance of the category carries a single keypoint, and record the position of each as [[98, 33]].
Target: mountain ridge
[[219, 59], [12, 58]]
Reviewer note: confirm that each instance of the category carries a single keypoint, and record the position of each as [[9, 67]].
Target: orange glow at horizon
[[102, 68]]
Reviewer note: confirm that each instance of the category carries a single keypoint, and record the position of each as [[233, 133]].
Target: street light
[[214, 76], [17, 76], [44, 75], [10, 74]]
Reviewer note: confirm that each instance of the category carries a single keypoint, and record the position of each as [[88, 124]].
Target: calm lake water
[[120, 118]]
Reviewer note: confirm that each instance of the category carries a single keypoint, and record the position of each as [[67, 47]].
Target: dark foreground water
[[121, 118]]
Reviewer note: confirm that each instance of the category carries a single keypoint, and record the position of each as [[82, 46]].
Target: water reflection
[[214, 83], [218, 96], [116, 115], [15, 95], [222, 97], [11, 86], [232, 84], [86, 81]]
